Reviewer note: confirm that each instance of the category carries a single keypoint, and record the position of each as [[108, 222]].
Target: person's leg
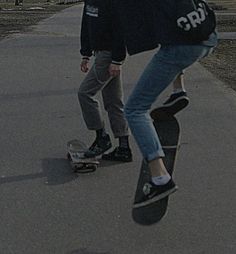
[[94, 82], [113, 103], [160, 72], [112, 95], [178, 83], [90, 106], [178, 100]]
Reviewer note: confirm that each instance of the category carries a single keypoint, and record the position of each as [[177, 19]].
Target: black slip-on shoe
[[153, 193]]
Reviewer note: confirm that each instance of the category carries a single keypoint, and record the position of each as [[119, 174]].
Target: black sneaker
[[153, 193], [119, 154], [175, 103], [99, 146]]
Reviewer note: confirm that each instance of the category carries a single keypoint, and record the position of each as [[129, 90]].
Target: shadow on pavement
[[56, 171], [104, 164]]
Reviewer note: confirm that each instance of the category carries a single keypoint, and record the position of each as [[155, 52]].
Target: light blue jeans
[[164, 67]]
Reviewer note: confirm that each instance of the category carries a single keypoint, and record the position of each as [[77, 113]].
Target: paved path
[[45, 209], [229, 13], [223, 5], [227, 35]]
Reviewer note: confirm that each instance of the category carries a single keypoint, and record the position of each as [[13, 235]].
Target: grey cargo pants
[[98, 79]]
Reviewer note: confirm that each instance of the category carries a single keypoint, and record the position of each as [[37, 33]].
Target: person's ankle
[[178, 90], [161, 180], [157, 167]]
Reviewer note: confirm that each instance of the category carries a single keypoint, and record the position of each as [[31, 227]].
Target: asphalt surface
[[227, 35], [46, 209]]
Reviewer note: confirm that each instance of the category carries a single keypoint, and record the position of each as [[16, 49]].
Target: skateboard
[[75, 155], [168, 130]]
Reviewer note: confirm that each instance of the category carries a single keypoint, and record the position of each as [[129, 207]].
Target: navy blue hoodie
[[101, 29], [148, 23]]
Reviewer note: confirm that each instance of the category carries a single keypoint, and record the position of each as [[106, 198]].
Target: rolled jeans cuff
[[156, 155]]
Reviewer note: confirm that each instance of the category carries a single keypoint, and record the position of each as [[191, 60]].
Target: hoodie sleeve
[[118, 42], [85, 49]]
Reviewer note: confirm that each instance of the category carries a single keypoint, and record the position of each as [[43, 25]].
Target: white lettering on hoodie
[[91, 11]]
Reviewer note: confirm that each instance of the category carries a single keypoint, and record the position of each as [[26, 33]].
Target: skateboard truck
[[78, 161]]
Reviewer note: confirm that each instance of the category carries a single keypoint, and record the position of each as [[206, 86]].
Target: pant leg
[[160, 72], [93, 83], [114, 105]]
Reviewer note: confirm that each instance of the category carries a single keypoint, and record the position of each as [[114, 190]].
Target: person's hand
[[114, 70], [84, 66]]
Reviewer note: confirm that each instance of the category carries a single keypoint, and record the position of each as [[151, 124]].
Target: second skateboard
[[78, 161]]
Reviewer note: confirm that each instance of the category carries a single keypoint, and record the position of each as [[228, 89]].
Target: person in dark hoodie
[[148, 24], [101, 36]]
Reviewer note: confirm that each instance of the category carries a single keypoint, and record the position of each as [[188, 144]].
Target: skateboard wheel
[[92, 167], [80, 166], [85, 169]]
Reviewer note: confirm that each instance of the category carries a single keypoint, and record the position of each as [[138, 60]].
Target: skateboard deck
[[75, 155], [168, 130]]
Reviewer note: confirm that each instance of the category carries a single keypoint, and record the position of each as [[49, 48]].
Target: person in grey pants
[[102, 38]]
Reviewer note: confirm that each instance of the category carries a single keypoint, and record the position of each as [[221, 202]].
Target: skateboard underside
[[168, 131], [76, 157]]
